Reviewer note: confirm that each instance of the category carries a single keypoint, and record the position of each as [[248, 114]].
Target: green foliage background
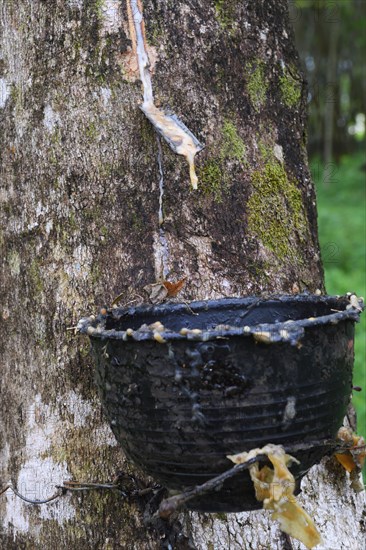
[[342, 233]]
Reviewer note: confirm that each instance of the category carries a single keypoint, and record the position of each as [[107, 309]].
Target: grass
[[342, 233]]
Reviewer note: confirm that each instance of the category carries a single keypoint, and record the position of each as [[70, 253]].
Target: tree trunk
[[331, 97], [81, 171]]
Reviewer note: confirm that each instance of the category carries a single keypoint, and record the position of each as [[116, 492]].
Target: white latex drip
[[180, 139], [163, 249], [161, 183]]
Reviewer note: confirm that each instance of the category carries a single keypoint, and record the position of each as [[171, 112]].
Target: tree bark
[[80, 174]]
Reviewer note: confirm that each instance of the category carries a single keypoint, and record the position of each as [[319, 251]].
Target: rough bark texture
[[79, 225]]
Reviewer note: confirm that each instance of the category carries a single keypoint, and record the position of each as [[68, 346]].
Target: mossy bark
[[79, 225]]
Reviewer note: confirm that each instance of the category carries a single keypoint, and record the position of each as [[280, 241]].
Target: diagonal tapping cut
[[137, 30], [176, 134]]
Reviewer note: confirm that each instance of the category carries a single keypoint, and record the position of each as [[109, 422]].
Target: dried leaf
[[346, 460], [275, 487], [117, 299], [157, 292], [295, 522], [174, 288], [354, 455]]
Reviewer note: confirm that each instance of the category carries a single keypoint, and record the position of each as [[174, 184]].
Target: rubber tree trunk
[[80, 187]]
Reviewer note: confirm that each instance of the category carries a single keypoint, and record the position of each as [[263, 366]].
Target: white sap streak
[[162, 248], [4, 92], [142, 56], [161, 182], [51, 118]]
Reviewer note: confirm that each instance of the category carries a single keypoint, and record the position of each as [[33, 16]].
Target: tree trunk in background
[[331, 97], [80, 175]]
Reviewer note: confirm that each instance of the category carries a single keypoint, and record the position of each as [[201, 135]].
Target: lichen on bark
[[225, 11], [257, 84], [290, 88], [214, 175], [276, 213]]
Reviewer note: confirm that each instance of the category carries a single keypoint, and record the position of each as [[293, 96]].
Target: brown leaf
[[174, 288], [353, 456]]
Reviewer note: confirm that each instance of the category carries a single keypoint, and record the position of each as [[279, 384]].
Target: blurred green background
[[331, 41]]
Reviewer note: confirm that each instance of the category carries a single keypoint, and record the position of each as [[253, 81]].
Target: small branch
[[90, 487], [175, 503]]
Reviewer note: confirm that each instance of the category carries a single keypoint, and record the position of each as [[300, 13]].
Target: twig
[[175, 503], [76, 486], [189, 308]]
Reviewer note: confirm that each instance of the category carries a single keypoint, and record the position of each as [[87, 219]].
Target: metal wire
[[68, 486], [59, 493]]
